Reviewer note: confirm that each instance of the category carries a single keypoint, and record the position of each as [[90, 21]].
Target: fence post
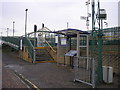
[[100, 71], [93, 43], [34, 55]]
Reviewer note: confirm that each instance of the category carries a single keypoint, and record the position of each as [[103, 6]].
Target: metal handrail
[[32, 55], [50, 46]]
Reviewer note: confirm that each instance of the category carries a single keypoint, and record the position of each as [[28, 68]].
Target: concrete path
[[44, 75], [11, 80]]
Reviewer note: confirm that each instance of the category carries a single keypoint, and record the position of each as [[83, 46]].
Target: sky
[[119, 14], [53, 13]]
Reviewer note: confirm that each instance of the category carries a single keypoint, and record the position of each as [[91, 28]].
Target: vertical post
[[1, 38], [26, 23], [58, 48], [76, 61], [1, 34], [87, 52], [101, 24], [78, 48], [100, 71], [67, 48], [34, 55], [34, 39], [7, 31], [43, 45], [88, 15], [35, 30], [93, 42], [13, 28], [67, 25]]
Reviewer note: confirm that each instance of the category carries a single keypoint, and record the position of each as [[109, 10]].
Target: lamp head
[[26, 9]]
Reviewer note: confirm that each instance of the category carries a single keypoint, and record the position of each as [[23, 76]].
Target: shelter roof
[[71, 32]]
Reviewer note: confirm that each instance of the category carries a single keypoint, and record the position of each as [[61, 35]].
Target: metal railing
[[11, 41], [30, 48], [15, 43]]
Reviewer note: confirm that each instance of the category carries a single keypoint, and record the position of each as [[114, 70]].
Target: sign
[[63, 41], [56, 39], [83, 18], [71, 53]]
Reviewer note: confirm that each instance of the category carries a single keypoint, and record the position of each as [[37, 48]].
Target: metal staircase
[[42, 55]]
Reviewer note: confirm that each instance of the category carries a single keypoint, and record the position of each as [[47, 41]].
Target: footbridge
[[35, 47]]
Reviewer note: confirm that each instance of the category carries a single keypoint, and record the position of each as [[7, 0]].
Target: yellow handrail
[[50, 45]]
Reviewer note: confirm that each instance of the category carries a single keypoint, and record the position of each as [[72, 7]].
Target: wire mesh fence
[[111, 48], [110, 56]]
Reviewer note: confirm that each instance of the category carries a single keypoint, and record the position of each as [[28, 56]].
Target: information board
[[63, 41], [71, 53]]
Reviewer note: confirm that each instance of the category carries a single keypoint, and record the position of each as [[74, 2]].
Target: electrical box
[[107, 74], [102, 14]]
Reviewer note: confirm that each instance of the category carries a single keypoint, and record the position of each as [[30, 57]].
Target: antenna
[[88, 14]]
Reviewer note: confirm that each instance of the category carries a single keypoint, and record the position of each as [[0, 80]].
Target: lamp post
[[13, 28], [7, 31], [1, 34], [67, 25], [26, 22]]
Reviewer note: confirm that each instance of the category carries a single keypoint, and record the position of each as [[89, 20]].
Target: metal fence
[[11, 41], [111, 48], [16, 43], [29, 47], [107, 55], [83, 65]]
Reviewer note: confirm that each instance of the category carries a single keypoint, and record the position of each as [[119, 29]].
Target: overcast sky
[[119, 14], [53, 13]]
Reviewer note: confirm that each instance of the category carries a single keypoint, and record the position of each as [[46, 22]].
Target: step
[[39, 48], [44, 61], [42, 54]]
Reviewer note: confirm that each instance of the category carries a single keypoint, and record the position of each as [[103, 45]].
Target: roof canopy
[[71, 32]]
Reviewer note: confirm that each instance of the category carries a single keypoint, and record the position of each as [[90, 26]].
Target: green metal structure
[[29, 41]]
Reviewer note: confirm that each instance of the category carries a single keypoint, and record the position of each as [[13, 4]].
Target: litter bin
[[107, 74]]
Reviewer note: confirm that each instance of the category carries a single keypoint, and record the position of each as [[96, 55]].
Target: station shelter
[[71, 43]]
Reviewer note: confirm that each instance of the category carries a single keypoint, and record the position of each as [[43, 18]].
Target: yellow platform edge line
[[33, 84], [21, 76]]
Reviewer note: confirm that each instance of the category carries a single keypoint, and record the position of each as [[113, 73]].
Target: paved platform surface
[[0, 67], [43, 75], [11, 80]]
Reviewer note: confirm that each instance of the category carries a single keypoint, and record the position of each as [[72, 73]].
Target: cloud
[[54, 13]]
